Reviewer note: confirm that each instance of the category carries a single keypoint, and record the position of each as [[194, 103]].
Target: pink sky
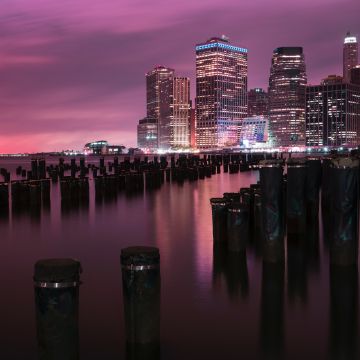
[[72, 71]]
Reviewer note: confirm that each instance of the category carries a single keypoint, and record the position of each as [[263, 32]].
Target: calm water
[[213, 306]]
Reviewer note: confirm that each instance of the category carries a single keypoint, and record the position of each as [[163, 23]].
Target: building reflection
[[302, 258], [343, 313], [272, 311], [232, 268]]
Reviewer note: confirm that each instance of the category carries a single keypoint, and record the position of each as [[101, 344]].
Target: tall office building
[[258, 102], [333, 114], [221, 92], [179, 125], [350, 56], [167, 106], [159, 99], [287, 85]]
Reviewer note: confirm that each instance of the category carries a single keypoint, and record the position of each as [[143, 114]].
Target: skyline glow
[[74, 71]]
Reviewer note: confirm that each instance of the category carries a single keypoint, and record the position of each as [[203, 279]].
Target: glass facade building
[[258, 102], [287, 85], [254, 130], [333, 114], [221, 92], [168, 107], [350, 56], [147, 134], [159, 98]]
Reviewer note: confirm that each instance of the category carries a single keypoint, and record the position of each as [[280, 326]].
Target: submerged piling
[[296, 195], [219, 218], [237, 227], [141, 292], [344, 184], [271, 182], [313, 183], [56, 283]]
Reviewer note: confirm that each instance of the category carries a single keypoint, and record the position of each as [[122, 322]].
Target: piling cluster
[[288, 204]]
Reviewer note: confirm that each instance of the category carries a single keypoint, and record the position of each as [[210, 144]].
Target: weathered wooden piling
[[272, 310], [34, 169], [237, 227], [344, 304], [141, 292], [296, 195], [313, 184], [232, 196], [344, 187], [272, 205], [41, 169], [219, 218], [56, 283], [4, 197]]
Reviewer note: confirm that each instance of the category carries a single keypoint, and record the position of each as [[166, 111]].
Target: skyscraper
[[221, 92], [333, 113], [350, 56], [287, 84], [159, 99], [258, 102], [167, 106], [179, 125]]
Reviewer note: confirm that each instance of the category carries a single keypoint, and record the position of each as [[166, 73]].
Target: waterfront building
[[350, 56], [95, 147], [355, 75], [254, 130], [258, 102], [333, 114], [221, 92], [102, 147], [147, 134], [287, 85]]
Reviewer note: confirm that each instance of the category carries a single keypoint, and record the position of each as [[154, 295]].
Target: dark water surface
[[213, 306]]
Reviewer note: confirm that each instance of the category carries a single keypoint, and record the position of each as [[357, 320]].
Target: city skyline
[[70, 77]]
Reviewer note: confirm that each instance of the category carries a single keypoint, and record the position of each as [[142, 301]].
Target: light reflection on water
[[213, 307]]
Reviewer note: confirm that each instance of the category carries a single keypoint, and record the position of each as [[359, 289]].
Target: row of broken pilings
[[56, 285], [129, 176], [26, 196], [290, 204]]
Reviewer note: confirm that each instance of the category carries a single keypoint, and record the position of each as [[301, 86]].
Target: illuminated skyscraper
[[167, 106], [258, 102], [179, 125], [350, 56], [333, 113], [221, 92], [287, 96], [159, 99]]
